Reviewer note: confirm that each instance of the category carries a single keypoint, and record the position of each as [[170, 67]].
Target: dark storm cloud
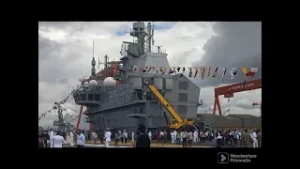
[[236, 44]]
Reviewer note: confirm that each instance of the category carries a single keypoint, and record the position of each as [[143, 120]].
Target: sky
[[66, 51]]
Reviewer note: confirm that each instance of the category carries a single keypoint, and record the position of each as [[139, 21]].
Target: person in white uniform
[[71, 139], [175, 134], [51, 134], [107, 138], [196, 138], [58, 140], [253, 135], [150, 134], [132, 136]]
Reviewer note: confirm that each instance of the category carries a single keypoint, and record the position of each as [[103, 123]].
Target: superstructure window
[[83, 97], [91, 97], [182, 109], [182, 97], [183, 85], [97, 97]]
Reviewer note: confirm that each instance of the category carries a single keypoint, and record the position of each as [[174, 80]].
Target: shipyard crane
[[228, 91], [178, 121]]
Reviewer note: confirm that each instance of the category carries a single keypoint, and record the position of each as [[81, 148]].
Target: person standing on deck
[[80, 139], [107, 138]]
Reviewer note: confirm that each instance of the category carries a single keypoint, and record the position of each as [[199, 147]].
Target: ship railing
[[161, 51]]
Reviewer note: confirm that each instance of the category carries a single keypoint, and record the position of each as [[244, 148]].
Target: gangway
[[177, 122]]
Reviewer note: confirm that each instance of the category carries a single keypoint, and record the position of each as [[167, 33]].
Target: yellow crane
[[177, 122]]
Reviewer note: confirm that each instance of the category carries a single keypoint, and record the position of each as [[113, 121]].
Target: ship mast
[[150, 30], [106, 65]]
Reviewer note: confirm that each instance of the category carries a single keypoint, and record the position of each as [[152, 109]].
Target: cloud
[[235, 44], [66, 51]]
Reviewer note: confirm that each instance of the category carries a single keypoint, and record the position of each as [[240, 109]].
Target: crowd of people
[[51, 139], [57, 139], [186, 138], [222, 138]]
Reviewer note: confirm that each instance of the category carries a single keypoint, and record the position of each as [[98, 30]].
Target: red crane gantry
[[228, 91]]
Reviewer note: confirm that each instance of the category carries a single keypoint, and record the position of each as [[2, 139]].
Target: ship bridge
[[89, 97]]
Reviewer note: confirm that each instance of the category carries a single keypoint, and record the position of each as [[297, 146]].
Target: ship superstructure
[[117, 97]]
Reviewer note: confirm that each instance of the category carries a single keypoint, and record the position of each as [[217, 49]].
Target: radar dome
[[85, 84], [93, 83], [109, 82]]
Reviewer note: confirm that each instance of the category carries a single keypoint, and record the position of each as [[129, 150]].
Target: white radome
[[93, 83], [109, 82]]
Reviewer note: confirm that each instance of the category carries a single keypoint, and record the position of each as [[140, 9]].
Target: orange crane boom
[[179, 121], [228, 91]]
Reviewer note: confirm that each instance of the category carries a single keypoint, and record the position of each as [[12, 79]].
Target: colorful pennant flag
[[224, 72], [208, 73], [190, 73], [215, 72], [202, 72], [233, 72], [183, 71], [174, 70], [196, 72]]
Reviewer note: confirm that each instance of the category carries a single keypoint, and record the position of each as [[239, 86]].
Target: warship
[[117, 97]]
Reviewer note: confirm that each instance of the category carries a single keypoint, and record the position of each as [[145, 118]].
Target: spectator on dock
[[80, 139], [143, 140], [190, 138], [72, 138], [150, 134], [178, 137], [125, 136], [184, 138], [219, 140], [117, 138], [94, 136], [107, 137], [51, 134], [101, 136], [253, 135], [58, 140]]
